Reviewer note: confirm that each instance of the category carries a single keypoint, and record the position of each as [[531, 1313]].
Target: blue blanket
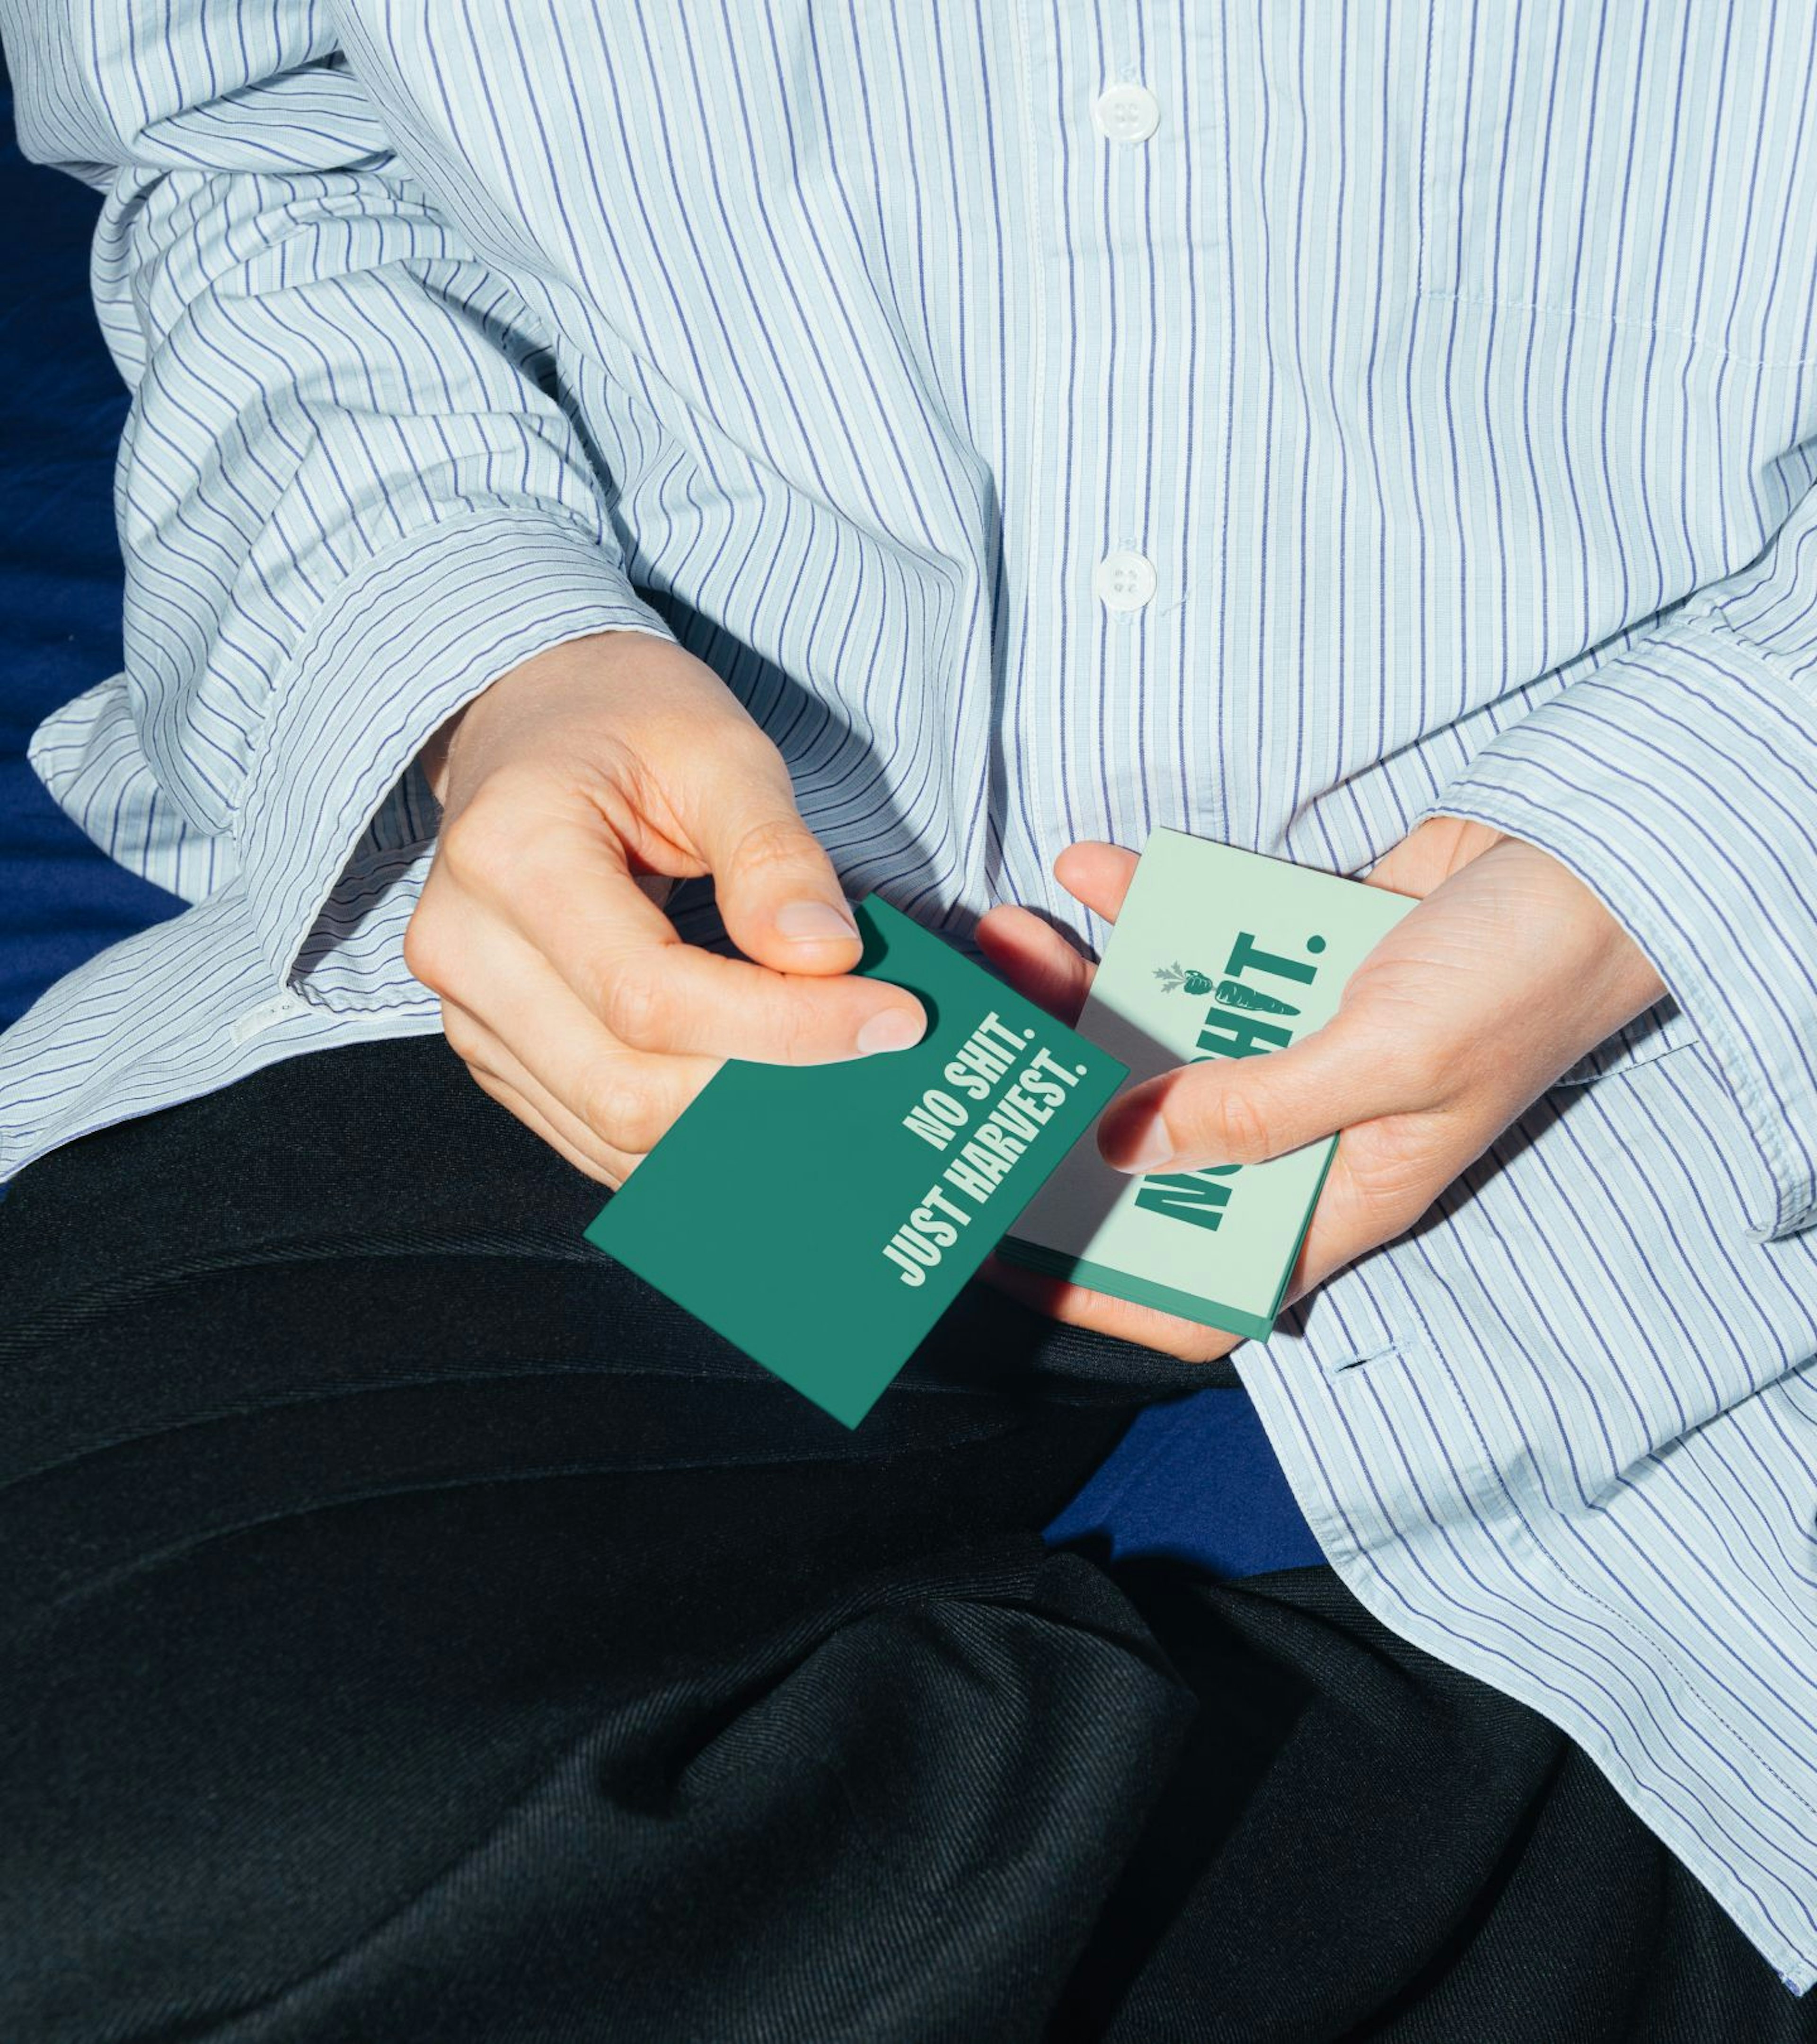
[[1194, 1478], [61, 406]]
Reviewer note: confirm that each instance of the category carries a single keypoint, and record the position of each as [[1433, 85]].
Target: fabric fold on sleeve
[[1677, 781], [402, 645], [351, 490]]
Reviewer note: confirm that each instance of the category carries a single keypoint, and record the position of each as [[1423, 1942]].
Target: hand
[[1506, 973], [564, 988]]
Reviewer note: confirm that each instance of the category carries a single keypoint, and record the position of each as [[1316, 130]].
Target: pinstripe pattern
[[1456, 365]]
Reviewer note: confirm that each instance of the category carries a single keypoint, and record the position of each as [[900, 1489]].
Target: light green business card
[[823, 1217], [1216, 953]]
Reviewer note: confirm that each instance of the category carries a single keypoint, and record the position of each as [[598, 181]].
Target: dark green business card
[[823, 1217]]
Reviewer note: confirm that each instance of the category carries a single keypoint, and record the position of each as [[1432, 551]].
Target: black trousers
[[413, 1627]]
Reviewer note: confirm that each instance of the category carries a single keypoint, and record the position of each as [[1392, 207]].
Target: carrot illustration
[[1233, 993]]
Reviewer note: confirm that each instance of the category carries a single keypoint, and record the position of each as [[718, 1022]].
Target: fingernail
[[814, 923], [895, 1029], [1136, 1141]]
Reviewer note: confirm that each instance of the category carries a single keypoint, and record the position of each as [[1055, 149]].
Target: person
[[781, 452]]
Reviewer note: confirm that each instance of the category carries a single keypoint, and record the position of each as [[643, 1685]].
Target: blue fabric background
[[1195, 1479], [61, 408]]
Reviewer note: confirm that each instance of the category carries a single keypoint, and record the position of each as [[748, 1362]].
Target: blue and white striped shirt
[[1453, 367]]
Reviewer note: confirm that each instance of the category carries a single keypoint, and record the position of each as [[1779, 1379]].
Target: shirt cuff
[[1676, 783], [417, 631]]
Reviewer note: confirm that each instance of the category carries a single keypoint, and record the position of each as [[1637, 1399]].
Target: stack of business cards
[[1215, 953]]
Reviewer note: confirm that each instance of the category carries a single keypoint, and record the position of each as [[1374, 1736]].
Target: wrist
[[507, 697]]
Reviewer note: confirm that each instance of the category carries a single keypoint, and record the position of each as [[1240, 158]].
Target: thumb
[[778, 895], [1246, 1110]]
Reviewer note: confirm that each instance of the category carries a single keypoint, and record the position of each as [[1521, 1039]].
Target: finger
[[565, 890], [495, 1069], [1361, 1207], [778, 895], [607, 1171], [1097, 874], [595, 1089], [1386, 1174], [1347, 1223], [1036, 960], [525, 1014], [1245, 1110], [685, 1002], [1430, 853]]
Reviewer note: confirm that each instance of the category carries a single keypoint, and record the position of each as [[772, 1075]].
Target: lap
[[412, 1626]]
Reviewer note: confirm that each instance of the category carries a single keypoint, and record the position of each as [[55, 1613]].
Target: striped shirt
[[1447, 369]]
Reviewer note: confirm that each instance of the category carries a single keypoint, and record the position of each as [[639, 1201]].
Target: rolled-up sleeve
[[349, 494], [1679, 780]]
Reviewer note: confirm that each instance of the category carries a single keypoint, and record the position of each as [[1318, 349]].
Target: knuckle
[[639, 1118], [777, 844], [600, 1101], [427, 953], [623, 1107], [1235, 1124], [482, 847], [1422, 1067], [795, 1034], [634, 1003], [463, 1033], [744, 743]]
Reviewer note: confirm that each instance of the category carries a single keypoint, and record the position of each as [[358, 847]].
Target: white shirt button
[[1127, 113], [1123, 581]]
